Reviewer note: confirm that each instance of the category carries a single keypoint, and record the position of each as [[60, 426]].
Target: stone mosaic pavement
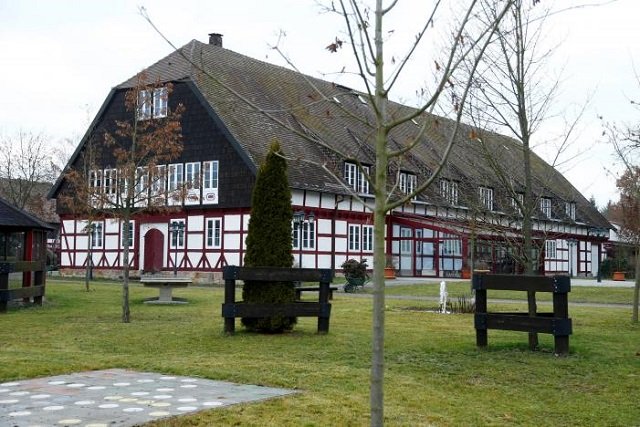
[[117, 397]]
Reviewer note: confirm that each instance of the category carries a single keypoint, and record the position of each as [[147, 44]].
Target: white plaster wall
[[233, 259], [195, 241], [313, 199], [324, 261], [324, 226], [297, 197], [232, 241], [341, 227], [327, 201], [232, 222], [195, 223], [341, 244], [324, 244]]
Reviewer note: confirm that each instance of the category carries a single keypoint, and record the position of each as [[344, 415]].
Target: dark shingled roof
[[12, 217], [308, 105]]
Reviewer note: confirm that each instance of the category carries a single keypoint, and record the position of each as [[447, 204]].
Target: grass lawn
[[434, 373]]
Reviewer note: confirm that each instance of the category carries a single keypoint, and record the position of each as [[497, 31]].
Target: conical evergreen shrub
[[269, 241]]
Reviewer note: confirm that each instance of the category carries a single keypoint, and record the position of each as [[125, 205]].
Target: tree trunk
[[379, 214], [125, 270], [636, 289]]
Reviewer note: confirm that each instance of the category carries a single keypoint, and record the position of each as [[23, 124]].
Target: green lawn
[[435, 374]]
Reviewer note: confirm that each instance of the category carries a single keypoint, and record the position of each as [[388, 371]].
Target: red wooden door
[[153, 251]]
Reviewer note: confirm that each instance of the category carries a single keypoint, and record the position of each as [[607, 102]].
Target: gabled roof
[[12, 217], [338, 116]]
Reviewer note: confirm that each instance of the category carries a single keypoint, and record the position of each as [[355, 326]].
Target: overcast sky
[[59, 59]]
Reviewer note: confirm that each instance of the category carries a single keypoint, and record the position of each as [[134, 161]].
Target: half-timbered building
[[235, 107]]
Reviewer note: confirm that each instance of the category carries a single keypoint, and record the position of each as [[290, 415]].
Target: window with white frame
[[367, 238], [128, 237], [192, 175], [95, 181], [210, 181], [214, 233], [142, 182], [545, 206], [144, 104], [570, 210], [210, 174], [517, 201], [550, 249], [158, 180], [153, 103], [160, 102], [110, 181], [304, 233], [175, 176], [449, 191], [96, 234], [408, 182], [176, 228], [356, 178], [354, 237], [486, 198]]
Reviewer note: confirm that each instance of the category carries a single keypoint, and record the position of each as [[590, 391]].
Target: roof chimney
[[215, 39]]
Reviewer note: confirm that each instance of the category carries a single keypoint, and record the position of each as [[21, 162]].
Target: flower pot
[[389, 273], [618, 275], [466, 273]]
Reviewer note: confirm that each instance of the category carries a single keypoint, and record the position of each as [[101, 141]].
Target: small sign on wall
[[210, 196]]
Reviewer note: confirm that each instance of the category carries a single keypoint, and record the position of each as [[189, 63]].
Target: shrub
[[355, 269], [269, 241]]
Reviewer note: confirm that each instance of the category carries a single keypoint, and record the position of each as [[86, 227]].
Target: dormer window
[[486, 198], [153, 103], [356, 178], [517, 202], [449, 191], [545, 206], [408, 182], [570, 210]]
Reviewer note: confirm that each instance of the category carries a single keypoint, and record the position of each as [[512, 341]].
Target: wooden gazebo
[[23, 249]]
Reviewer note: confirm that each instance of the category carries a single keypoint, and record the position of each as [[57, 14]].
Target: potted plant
[[389, 268], [466, 270], [618, 273], [356, 274]]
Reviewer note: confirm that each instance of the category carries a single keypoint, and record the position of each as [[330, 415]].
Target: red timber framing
[[420, 246]]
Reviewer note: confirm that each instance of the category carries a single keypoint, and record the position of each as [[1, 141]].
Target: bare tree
[[379, 72], [135, 182], [625, 140], [512, 94], [26, 171]]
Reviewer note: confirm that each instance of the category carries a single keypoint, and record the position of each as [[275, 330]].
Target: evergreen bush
[[269, 241]]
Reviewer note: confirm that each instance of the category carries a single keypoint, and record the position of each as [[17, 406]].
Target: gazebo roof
[[13, 218]]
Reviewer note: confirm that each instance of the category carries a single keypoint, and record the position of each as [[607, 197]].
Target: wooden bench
[[300, 289], [556, 323], [165, 285], [231, 309], [35, 290]]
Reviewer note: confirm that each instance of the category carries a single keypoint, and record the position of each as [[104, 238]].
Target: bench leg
[[323, 325], [481, 337], [229, 325], [166, 294], [561, 345]]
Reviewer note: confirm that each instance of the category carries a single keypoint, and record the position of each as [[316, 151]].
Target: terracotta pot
[[389, 273], [618, 275], [466, 273]]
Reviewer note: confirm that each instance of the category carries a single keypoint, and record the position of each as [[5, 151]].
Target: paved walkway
[[576, 281], [117, 397]]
